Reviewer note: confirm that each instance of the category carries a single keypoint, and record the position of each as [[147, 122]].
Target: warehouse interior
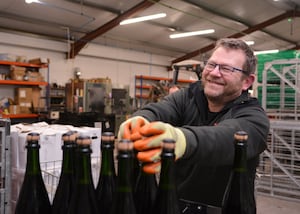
[[71, 62]]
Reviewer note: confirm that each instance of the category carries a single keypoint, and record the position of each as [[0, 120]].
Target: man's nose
[[216, 71]]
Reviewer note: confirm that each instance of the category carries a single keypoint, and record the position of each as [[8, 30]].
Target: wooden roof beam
[[249, 30], [296, 47], [79, 44]]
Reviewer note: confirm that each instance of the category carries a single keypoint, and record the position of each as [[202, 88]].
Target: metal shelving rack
[[5, 167], [279, 170], [21, 83], [143, 85]]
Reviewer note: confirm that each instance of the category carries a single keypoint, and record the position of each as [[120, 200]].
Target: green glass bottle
[[167, 200], [83, 199], [238, 198], [123, 201], [145, 192], [33, 197], [66, 182], [136, 166], [107, 179], [74, 137]]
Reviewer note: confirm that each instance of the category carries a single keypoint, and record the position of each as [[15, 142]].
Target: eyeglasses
[[224, 69]]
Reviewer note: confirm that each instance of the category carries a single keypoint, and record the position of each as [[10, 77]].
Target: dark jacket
[[202, 173]]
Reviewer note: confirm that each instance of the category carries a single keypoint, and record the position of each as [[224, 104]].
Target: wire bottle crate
[[5, 169]]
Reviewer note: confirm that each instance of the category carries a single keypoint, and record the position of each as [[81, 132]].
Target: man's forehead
[[224, 55]]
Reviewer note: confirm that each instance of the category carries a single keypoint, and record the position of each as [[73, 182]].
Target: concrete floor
[[271, 205]]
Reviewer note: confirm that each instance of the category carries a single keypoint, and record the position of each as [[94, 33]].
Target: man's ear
[[248, 81]]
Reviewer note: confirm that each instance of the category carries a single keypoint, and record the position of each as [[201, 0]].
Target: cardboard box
[[34, 76], [50, 141], [23, 98], [95, 135], [14, 135], [39, 61], [17, 72], [17, 177], [24, 109], [21, 59], [50, 149], [23, 95], [17, 75], [37, 102], [14, 109]]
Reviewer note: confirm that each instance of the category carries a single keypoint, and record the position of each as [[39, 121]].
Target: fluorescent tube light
[[143, 18], [266, 52], [32, 1], [193, 33], [249, 42]]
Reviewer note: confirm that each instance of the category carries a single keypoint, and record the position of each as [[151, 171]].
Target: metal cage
[[5, 167]]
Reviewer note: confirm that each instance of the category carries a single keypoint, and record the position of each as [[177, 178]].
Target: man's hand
[[149, 146], [129, 129]]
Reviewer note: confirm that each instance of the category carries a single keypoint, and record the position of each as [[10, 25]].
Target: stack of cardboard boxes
[[23, 101], [34, 76], [26, 98], [17, 72]]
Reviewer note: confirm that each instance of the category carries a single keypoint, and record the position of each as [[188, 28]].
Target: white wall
[[94, 61]]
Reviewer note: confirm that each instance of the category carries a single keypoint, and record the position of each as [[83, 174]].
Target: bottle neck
[[107, 161], [124, 182], [33, 159], [240, 158], [143, 173], [84, 175], [167, 179], [68, 157], [143, 177]]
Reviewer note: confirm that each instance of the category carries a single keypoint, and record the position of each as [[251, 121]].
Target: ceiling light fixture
[[143, 18], [32, 1], [193, 33], [266, 52], [171, 29], [249, 42]]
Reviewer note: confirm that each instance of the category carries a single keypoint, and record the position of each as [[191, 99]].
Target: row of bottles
[[75, 192], [131, 192]]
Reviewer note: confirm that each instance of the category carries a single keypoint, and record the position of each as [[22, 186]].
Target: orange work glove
[[149, 146], [129, 129]]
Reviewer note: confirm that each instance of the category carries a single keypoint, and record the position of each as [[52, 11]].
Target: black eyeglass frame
[[228, 67]]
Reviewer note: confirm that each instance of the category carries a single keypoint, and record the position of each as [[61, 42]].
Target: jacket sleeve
[[211, 144]]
